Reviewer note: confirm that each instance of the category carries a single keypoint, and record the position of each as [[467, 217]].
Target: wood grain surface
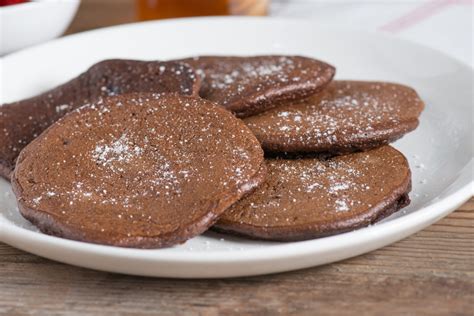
[[429, 273]]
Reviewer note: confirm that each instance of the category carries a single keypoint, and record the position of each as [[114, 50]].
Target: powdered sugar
[[335, 178], [345, 114], [62, 108], [308, 190], [143, 159], [341, 205], [229, 79], [246, 72], [120, 150]]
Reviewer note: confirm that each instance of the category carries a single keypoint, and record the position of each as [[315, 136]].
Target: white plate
[[439, 151]]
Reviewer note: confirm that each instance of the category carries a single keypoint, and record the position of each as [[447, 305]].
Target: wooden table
[[430, 273]]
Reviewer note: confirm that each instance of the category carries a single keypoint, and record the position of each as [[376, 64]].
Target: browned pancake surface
[[137, 170], [310, 197], [250, 85], [345, 116], [22, 121]]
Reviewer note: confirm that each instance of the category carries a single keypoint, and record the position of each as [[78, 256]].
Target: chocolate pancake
[[250, 85], [137, 170], [309, 197], [346, 116], [22, 121]]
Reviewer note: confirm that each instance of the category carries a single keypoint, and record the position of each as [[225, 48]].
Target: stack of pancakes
[[150, 154]]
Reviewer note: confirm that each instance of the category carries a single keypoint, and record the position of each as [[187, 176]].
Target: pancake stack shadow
[[150, 154]]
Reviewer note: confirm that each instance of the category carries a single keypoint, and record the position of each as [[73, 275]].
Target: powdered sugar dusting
[[343, 114], [62, 108], [334, 178], [104, 79], [305, 190], [120, 150], [145, 160], [229, 79]]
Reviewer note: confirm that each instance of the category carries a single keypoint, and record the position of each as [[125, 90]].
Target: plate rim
[[439, 208]]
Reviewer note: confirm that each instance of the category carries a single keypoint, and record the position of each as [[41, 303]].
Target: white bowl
[[30, 23]]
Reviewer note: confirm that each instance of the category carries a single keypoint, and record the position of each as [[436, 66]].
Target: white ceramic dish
[[439, 151], [30, 23]]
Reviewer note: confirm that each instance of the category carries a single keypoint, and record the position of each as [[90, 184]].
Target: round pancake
[[309, 197], [250, 85], [21, 122], [346, 116], [137, 170]]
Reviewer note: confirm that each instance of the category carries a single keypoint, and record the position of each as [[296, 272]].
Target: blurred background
[[446, 25], [442, 24]]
